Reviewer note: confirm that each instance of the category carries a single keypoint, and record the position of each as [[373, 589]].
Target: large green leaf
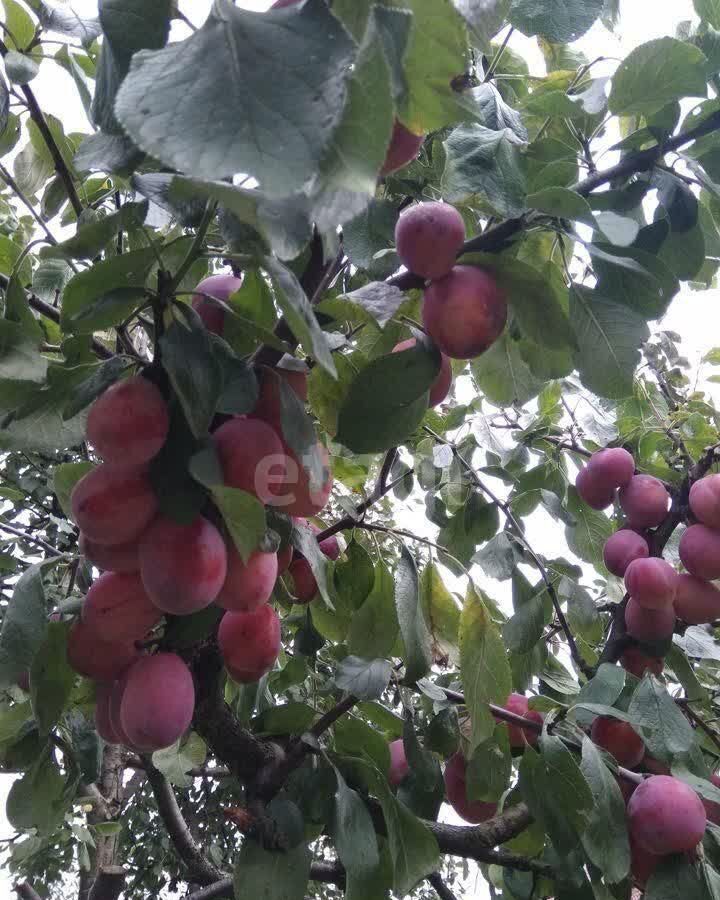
[[20, 358], [413, 629], [609, 336], [560, 21], [655, 73], [605, 838], [374, 627], [590, 531], [503, 375], [709, 10], [353, 832], [657, 718], [262, 106], [484, 665], [441, 611], [51, 678], [271, 874], [24, 626], [40, 798]]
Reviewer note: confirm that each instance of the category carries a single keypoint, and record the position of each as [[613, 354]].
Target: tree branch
[[439, 886], [200, 869], [26, 891], [30, 538], [322, 872], [108, 884]]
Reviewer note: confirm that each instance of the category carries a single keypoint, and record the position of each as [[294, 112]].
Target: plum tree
[[220, 286], [697, 601], [593, 490], [249, 642], [113, 504], [128, 424], [440, 388], [428, 238], [112, 558], [619, 739], [635, 661], [519, 736], [474, 811], [645, 501], [622, 548], [248, 585], [665, 816], [252, 457], [157, 702], [403, 148], [93, 657], [649, 624], [704, 500], [465, 312], [651, 582], [399, 768], [304, 581], [183, 567], [118, 608], [700, 551], [296, 495]]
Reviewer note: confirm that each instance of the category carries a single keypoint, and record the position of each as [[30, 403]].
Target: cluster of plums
[[657, 593], [153, 565]]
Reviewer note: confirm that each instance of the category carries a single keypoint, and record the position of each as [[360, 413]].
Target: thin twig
[[30, 538], [15, 187]]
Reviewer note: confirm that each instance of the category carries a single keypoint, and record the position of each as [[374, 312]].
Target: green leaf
[[441, 612], [489, 768], [20, 358], [485, 163], [93, 237], [676, 876], [415, 635], [502, 374], [609, 336], [556, 791], [353, 832], [100, 378], [484, 666], [106, 294], [292, 718], [39, 799], [656, 717], [364, 678], [374, 627], [194, 372], [605, 838], [590, 531], [170, 117], [244, 517], [354, 577], [525, 628], [387, 401], [19, 24], [353, 737], [638, 279], [560, 21], [474, 523], [65, 477], [271, 874], [370, 232], [51, 678], [19, 68], [304, 540], [298, 433], [562, 203], [299, 313], [66, 21], [709, 10], [24, 626], [655, 73]]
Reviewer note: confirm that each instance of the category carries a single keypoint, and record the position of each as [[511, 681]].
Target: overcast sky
[[693, 315]]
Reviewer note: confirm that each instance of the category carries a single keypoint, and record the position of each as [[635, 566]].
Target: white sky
[[693, 315]]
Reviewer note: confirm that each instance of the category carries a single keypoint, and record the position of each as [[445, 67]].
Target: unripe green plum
[[428, 238], [128, 424], [705, 501], [637, 663], [103, 724], [399, 768], [403, 149], [248, 585], [649, 624], [623, 548], [113, 504], [465, 312], [296, 496], [474, 811], [249, 643], [712, 809], [118, 608], [303, 579], [651, 583], [252, 457], [94, 658], [666, 816], [700, 551], [440, 388], [183, 567], [644, 501], [518, 735], [642, 863], [619, 739], [614, 466], [593, 490], [158, 701], [222, 287], [697, 601], [115, 558]]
